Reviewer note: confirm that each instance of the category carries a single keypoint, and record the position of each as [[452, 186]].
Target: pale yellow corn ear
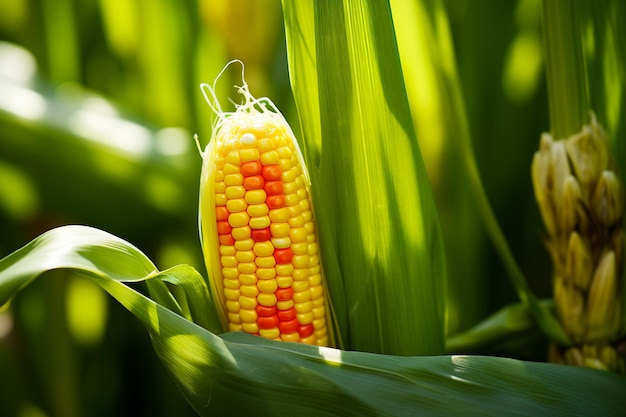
[[258, 228], [581, 199]]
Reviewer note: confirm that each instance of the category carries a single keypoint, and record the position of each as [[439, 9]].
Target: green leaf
[[239, 374], [379, 233]]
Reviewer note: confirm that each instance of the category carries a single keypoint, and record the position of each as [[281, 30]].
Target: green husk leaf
[[239, 374], [379, 233]]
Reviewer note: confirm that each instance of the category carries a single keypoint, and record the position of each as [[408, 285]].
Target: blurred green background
[[99, 100]]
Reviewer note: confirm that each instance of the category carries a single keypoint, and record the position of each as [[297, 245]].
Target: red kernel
[[223, 227], [273, 187], [306, 330], [261, 235], [221, 213], [227, 240], [286, 315], [275, 201], [288, 326], [283, 256], [284, 294], [263, 311], [251, 168], [267, 322], [255, 182], [272, 172]]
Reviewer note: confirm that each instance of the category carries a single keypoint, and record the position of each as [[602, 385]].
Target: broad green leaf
[[379, 234], [239, 374]]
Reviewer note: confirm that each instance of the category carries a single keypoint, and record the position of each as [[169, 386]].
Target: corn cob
[[257, 225], [581, 201]]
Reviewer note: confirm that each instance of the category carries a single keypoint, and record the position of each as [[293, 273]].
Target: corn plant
[[367, 282]]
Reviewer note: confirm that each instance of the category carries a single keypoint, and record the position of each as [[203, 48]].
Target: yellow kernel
[[313, 261], [244, 245], [245, 256], [290, 187], [230, 294], [318, 302], [300, 274], [265, 261], [234, 327], [227, 250], [303, 194], [310, 227], [233, 179], [255, 196], [319, 323], [220, 187], [297, 221], [268, 286], [239, 219], [250, 327], [257, 210], [263, 249], [231, 169], [284, 281], [284, 305], [290, 337], [270, 158], [284, 152], [235, 191], [305, 307], [279, 215], [322, 340], [300, 261], [270, 333], [260, 222], [265, 145], [300, 286], [316, 292], [309, 340], [236, 205], [279, 229], [248, 316], [284, 269], [297, 234], [285, 164], [220, 199], [294, 211], [228, 261], [292, 200], [247, 267], [301, 248], [312, 248], [315, 279], [248, 279], [249, 290], [306, 211], [288, 176], [241, 233], [266, 300], [247, 303], [305, 318], [248, 140], [266, 273], [281, 242], [234, 318], [219, 177], [301, 297], [314, 269], [231, 283], [319, 312], [231, 273], [232, 306], [233, 158], [249, 155]]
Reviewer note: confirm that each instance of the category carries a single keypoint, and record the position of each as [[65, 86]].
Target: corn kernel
[[300, 286], [319, 312], [284, 269], [301, 297], [290, 187], [233, 179], [266, 300], [245, 256], [230, 169], [297, 221], [249, 290], [250, 327], [279, 215], [227, 250], [303, 195], [255, 196], [236, 205], [305, 307], [315, 280], [248, 279], [248, 140], [235, 191], [290, 337], [233, 158], [231, 283], [314, 260], [257, 210], [284, 281], [318, 302], [220, 199], [301, 248], [220, 187], [292, 200], [263, 249], [314, 269], [289, 176], [300, 261], [284, 305], [270, 158], [228, 261], [294, 211], [266, 273], [319, 323], [309, 340], [316, 292], [265, 145], [233, 306], [260, 222], [300, 274], [305, 318], [233, 327], [247, 267], [231, 294], [285, 165], [234, 318], [230, 273], [268, 286], [219, 176], [241, 233], [265, 261], [312, 248], [280, 230], [281, 242], [272, 333], [239, 219], [248, 155], [244, 245], [306, 212], [247, 303]]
